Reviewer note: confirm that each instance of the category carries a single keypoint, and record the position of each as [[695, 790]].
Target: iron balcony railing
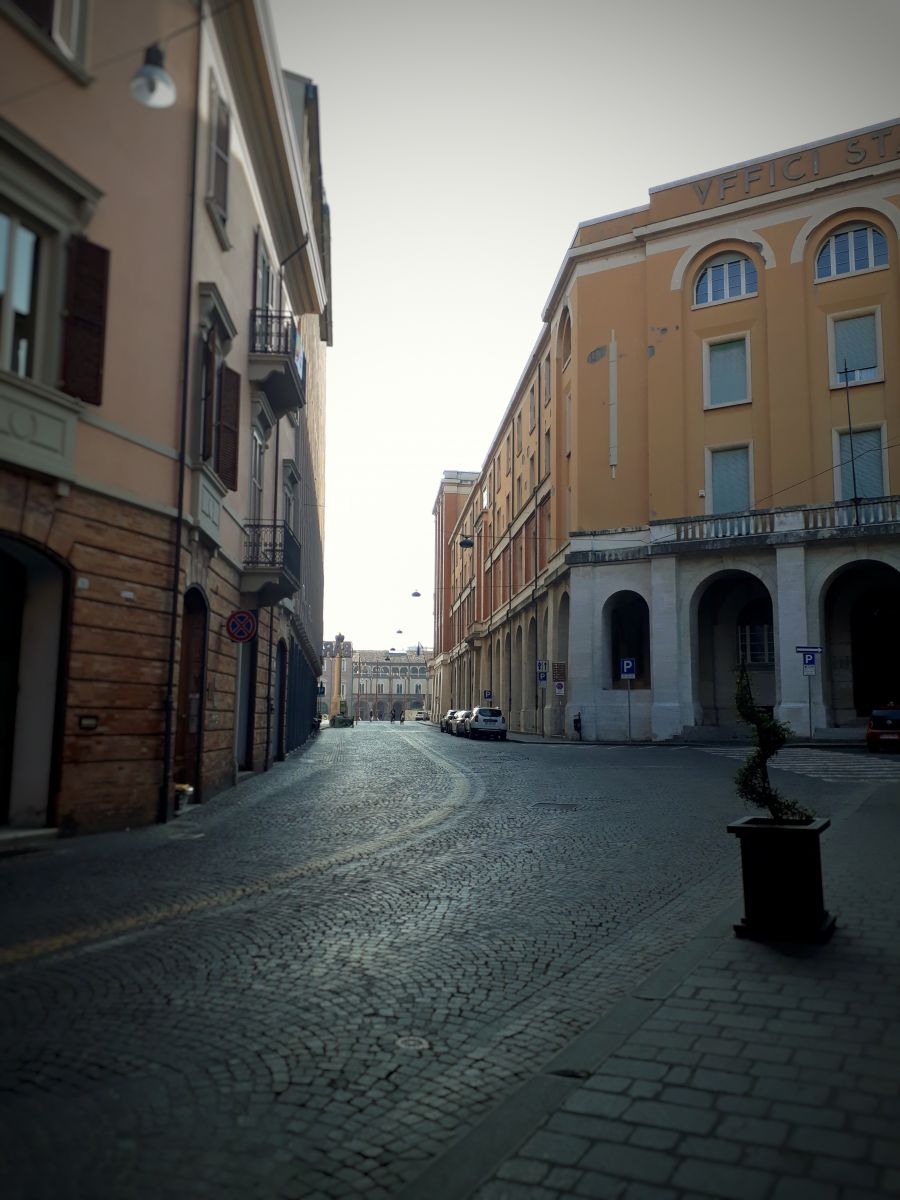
[[275, 333], [271, 545]]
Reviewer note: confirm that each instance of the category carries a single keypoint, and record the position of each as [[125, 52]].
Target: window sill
[[728, 404], [44, 42], [724, 300], [851, 274], [218, 224], [839, 385]]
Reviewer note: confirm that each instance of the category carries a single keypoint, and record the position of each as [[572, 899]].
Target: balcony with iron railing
[[277, 364], [272, 560]]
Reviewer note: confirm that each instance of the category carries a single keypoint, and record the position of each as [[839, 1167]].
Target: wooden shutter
[[208, 376], [84, 320], [229, 428]]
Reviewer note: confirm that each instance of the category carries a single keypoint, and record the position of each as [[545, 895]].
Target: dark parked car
[[883, 732], [445, 720]]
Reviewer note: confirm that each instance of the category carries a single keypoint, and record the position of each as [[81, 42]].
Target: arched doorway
[[32, 608], [734, 625], [627, 619], [507, 678], [281, 700], [529, 673], [187, 767], [862, 647], [515, 704]]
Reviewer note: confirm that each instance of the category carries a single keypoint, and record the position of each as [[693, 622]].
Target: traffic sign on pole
[[809, 649], [241, 625], [627, 668]]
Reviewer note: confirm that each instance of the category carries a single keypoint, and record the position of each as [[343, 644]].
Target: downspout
[[162, 805]]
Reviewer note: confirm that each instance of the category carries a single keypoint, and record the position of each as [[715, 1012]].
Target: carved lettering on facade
[[756, 178]]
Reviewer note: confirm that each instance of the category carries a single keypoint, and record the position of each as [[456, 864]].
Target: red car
[[883, 732]]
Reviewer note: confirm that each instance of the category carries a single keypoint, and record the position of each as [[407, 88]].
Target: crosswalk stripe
[[819, 764]]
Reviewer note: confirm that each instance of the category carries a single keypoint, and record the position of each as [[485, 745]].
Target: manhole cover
[[412, 1043], [557, 807]]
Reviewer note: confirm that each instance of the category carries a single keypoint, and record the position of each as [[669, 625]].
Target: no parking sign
[[241, 625]]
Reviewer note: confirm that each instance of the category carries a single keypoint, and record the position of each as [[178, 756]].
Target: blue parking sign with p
[[809, 658], [627, 668]]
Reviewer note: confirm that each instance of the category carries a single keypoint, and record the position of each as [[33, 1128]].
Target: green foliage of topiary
[[752, 780]]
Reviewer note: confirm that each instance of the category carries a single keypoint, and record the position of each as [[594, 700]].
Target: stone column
[[670, 655], [792, 630]]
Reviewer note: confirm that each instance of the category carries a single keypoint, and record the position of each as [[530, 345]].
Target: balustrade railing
[[272, 545], [847, 514], [728, 525]]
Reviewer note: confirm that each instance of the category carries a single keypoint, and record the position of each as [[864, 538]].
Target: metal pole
[[846, 374], [628, 681], [809, 702]]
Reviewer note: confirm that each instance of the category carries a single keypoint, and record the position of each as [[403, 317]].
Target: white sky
[[462, 142]]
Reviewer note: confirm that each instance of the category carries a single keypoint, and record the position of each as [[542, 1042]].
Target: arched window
[[728, 276], [852, 249]]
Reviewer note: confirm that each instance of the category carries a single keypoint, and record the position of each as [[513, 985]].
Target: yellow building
[[697, 462]]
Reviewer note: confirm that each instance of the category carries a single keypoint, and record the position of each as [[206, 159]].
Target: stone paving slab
[[738, 1070]]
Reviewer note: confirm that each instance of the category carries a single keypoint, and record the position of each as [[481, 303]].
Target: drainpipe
[[162, 805]]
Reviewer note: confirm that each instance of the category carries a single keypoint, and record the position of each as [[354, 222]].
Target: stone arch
[[529, 667], [516, 698], [831, 212], [625, 625], [858, 604], [34, 612], [187, 762], [742, 237], [732, 620]]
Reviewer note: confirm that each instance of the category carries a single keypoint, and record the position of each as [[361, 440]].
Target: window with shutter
[[209, 394], [61, 20], [854, 343], [84, 320], [219, 162], [730, 471], [861, 465], [19, 259], [228, 428], [726, 372]]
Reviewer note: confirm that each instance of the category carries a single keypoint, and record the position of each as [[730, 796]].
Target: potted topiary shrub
[[781, 865]]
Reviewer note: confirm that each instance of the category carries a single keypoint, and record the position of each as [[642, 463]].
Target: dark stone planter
[[782, 873]]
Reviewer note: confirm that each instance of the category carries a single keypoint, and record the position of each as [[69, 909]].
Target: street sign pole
[[812, 733], [629, 711]]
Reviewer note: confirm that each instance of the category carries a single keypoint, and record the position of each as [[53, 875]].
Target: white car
[[487, 723], [457, 723]]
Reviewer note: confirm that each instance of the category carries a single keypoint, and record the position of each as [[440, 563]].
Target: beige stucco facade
[[162, 385], [684, 478]]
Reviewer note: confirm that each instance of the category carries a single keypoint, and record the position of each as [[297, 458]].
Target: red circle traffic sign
[[241, 625]]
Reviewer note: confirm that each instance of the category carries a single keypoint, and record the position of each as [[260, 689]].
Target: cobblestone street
[[317, 983]]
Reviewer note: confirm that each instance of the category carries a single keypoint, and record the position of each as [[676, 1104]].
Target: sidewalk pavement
[[739, 1069]]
